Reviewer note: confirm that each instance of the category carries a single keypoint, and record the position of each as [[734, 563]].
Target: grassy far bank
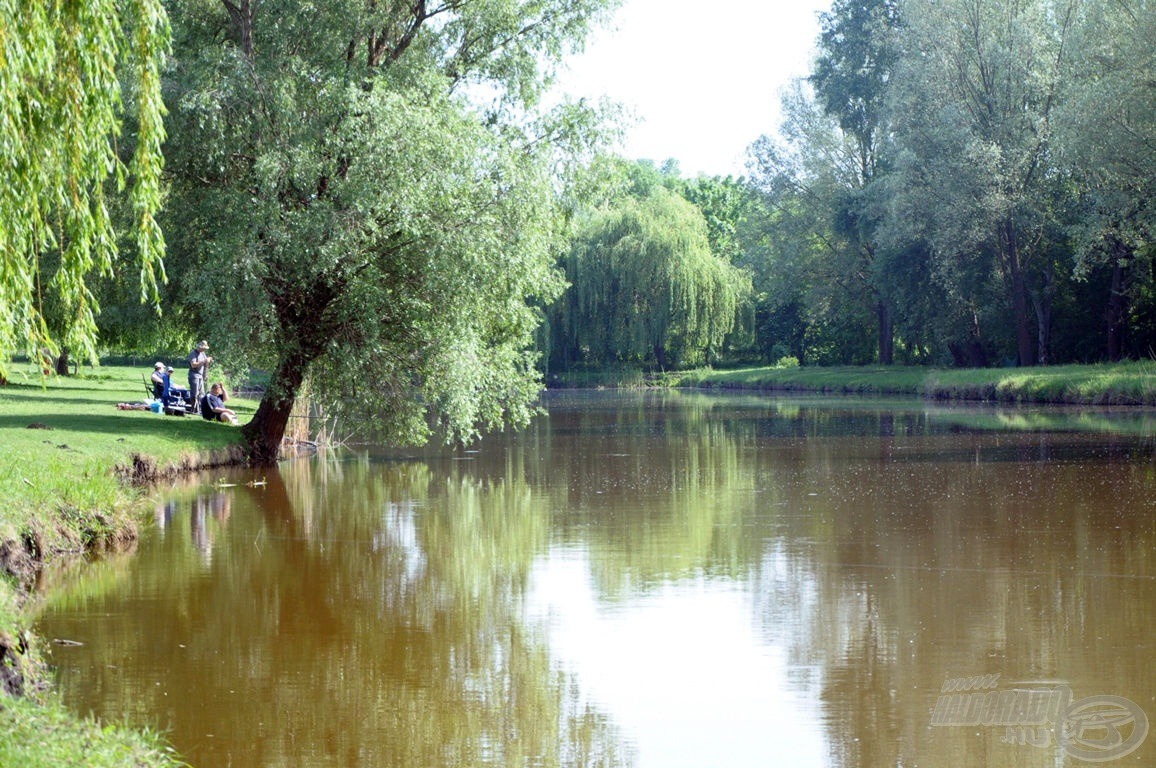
[[1127, 383], [62, 441]]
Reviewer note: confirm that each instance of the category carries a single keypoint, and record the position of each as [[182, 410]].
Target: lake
[[656, 579]]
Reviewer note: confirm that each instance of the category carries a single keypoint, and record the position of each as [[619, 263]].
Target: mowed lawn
[[61, 437]]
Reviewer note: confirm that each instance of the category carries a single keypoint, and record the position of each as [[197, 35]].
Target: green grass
[[62, 495], [65, 466], [44, 734], [1129, 383]]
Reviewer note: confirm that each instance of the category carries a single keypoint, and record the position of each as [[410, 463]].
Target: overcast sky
[[703, 78]]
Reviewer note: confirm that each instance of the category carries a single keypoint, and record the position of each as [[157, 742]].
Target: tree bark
[[1042, 300], [1117, 304], [1019, 299], [660, 356], [886, 333], [263, 434], [62, 362], [301, 319], [242, 19]]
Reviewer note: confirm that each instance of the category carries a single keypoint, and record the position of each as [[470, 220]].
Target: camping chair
[[153, 391], [176, 401]]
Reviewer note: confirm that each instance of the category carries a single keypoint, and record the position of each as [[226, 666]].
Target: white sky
[[703, 78]]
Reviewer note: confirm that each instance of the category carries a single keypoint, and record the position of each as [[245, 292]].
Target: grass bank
[[66, 453], [1127, 383]]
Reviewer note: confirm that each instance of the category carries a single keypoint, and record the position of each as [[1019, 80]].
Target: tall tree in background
[[62, 102], [857, 54], [354, 217], [821, 180], [975, 93], [1106, 130], [728, 205], [819, 272]]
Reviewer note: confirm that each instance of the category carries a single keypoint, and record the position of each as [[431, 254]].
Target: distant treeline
[[957, 182]]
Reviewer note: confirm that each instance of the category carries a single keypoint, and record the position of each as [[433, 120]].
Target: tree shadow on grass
[[108, 402], [128, 424]]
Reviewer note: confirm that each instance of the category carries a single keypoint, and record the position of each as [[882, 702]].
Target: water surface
[[652, 579]]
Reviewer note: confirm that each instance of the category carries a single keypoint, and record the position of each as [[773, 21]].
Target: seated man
[[213, 406], [173, 391], [158, 380]]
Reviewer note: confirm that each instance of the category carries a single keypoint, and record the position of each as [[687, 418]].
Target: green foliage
[[62, 66], [857, 55], [814, 277], [725, 203], [47, 736], [969, 182], [645, 286], [983, 95]]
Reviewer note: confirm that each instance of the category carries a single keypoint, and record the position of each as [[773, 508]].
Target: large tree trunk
[[300, 315], [62, 362], [264, 433], [660, 356], [886, 333], [1042, 300], [1117, 303], [241, 16], [1019, 298]]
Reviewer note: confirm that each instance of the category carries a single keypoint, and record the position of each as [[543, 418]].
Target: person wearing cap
[[179, 392], [199, 362], [158, 380]]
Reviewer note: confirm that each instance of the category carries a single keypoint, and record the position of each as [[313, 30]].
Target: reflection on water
[[652, 579]]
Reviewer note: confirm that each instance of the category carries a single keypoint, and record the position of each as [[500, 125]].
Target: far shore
[[1126, 383]]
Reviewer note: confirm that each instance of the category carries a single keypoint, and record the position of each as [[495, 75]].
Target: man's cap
[[158, 366], [202, 344]]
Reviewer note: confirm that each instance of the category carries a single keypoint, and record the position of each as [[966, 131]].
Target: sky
[[703, 79]]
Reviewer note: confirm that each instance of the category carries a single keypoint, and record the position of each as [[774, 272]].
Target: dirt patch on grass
[[12, 662], [18, 561]]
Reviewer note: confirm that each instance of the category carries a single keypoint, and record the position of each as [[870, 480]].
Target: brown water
[[651, 579]]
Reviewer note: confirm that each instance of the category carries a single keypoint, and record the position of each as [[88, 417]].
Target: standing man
[[199, 361]]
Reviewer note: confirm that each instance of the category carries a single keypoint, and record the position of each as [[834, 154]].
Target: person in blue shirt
[[175, 391], [213, 405]]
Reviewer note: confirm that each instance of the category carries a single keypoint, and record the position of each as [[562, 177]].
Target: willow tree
[[645, 286], [65, 70], [364, 198]]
